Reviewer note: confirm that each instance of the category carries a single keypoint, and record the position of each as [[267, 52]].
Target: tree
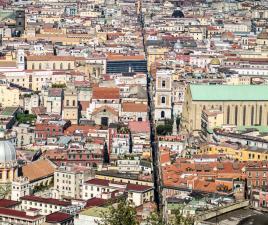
[[58, 85], [106, 158], [180, 219], [25, 118], [164, 129], [121, 214], [155, 219]]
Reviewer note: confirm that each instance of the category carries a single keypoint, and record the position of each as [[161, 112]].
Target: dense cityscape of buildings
[[161, 103]]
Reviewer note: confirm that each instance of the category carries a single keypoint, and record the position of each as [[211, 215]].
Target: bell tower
[[20, 59]]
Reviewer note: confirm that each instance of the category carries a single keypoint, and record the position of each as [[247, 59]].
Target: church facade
[[241, 105]]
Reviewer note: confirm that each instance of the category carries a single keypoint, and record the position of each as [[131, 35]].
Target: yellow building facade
[[235, 152], [50, 62], [70, 105], [154, 54], [9, 97]]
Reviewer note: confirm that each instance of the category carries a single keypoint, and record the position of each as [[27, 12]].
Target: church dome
[[215, 61], [7, 150]]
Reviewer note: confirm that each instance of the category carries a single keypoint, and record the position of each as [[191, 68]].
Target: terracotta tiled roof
[[55, 92], [105, 93], [139, 126], [118, 57], [138, 188], [205, 186], [38, 169], [50, 58], [17, 214], [39, 110], [129, 187], [51, 201], [107, 108], [82, 128], [97, 181], [133, 107], [58, 217], [84, 105], [6, 203], [164, 157], [95, 202]]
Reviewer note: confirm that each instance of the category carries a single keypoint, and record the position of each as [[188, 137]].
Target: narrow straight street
[[155, 153]]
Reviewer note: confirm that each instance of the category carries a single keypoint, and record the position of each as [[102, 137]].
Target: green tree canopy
[[58, 85], [121, 214], [25, 118], [124, 214]]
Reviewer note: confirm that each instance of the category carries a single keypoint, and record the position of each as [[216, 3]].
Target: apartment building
[[136, 194], [16, 217], [68, 181], [45, 205]]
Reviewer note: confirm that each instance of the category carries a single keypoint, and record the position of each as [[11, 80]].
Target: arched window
[[40, 66], [236, 114], [61, 66], [21, 59], [228, 114], [260, 116], [244, 115], [252, 115], [162, 114], [54, 66], [163, 99], [163, 83], [33, 67]]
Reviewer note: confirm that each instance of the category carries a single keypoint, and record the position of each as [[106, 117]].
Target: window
[[73, 102], [163, 100], [244, 115], [228, 114], [69, 66], [67, 102], [61, 66], [252, 115], [162, 114], [33, 67], [40, 66], [163, 83], [260, 116], [54, 66], [236, 114]]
